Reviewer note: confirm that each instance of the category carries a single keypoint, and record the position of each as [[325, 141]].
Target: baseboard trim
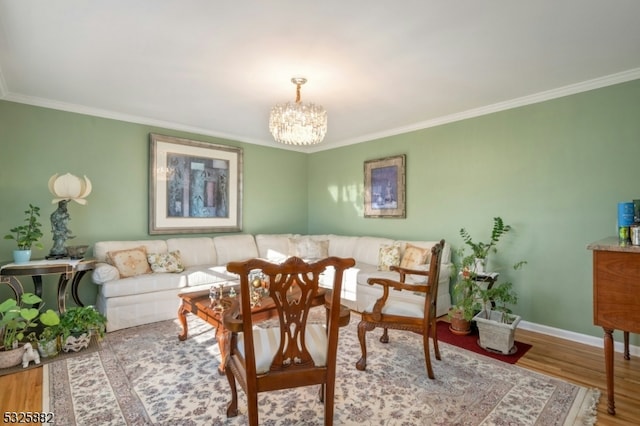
[[576, 337]]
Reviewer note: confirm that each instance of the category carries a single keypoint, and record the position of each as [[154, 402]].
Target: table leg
[[14, 284], [223, 337], [75, 282], [62, 289], [626, 346], [608, 363], [182, 317], [37, 286]]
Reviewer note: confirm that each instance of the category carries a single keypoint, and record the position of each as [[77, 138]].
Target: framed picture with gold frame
[[384, 187], [194, 187]]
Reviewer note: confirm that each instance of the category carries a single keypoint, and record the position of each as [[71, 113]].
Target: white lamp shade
[[69, 187]]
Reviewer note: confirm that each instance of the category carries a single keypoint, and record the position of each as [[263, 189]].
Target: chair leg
[[321, 393], [252, 408], [363, 327], [385, 336], [434, 337], [232, 406], [427, 355], [328, 404]]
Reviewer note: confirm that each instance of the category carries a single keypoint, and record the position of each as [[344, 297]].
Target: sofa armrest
[[103, 273]]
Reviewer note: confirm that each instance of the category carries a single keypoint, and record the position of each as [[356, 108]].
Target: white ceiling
[[379, 67]]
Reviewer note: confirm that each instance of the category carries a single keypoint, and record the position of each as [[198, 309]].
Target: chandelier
[[298, 123]]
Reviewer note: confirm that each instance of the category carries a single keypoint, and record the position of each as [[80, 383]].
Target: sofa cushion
[[308, 248], [341, 246], [194, 251], [130, 262], [166, 262], [147, 283], [388, 255], [414, 256], [232, 248], [101, 248], [367, 249], [274, 247], [104, 272], [446, 251]]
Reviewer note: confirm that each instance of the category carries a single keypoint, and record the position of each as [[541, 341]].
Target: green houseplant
[[471, 292], [48, 339], [17, 317], [495, 320], [480, 250], [27, 235], [78, 324], [464, 294]]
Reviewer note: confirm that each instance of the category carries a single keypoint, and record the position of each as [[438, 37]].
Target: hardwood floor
[[574, 362]]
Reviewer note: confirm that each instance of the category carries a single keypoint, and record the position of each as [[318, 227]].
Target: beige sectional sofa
[[146, 296]]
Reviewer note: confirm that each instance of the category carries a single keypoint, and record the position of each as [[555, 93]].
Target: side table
[[69, 269]]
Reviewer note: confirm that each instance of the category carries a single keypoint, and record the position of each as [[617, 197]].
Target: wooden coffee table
[[199, 304]]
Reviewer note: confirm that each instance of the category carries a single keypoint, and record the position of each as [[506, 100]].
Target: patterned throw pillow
[[389, 255], [414, 256], [166, 262], [130, 262], [308, 248]]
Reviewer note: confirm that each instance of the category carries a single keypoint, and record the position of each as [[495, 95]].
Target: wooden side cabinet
[[616, 298]]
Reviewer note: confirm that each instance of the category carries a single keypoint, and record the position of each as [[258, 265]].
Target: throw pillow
[[389, 255], [130, 262], [166, 262], [414, 256], [308, 248]]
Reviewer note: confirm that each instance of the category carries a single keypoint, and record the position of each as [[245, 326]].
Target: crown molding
[[568, 90], [560, 92]]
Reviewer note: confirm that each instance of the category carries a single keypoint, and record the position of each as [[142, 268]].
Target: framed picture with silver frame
[[194, 187], [384, 187]]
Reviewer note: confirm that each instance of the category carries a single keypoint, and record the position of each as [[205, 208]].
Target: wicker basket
[[494, 334], [11, 358]]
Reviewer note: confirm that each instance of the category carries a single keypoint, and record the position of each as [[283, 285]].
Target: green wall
[[36, 143], [555, 171]]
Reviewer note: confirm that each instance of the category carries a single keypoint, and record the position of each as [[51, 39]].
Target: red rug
[[470, 343]]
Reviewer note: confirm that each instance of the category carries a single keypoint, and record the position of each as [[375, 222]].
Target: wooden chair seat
[[295, 353], [266, 342], [389, 313]]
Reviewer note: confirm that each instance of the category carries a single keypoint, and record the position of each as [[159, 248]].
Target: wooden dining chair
[[295, 353], [418, 317]]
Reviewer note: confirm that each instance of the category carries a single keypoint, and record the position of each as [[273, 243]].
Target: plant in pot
[[496, 322], [78, 324], [48, 339], [480, 250], [17, 317], [464, 295], [27, 235]]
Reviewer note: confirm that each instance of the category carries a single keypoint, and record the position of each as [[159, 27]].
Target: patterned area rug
[[145, 376], [470, 343]]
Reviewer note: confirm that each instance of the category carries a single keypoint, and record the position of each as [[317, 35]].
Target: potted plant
[[27, 235], [17, 317], [78, 324], [464, 291], [476, 294], [48, 339], [496, 322], [480, 250]]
